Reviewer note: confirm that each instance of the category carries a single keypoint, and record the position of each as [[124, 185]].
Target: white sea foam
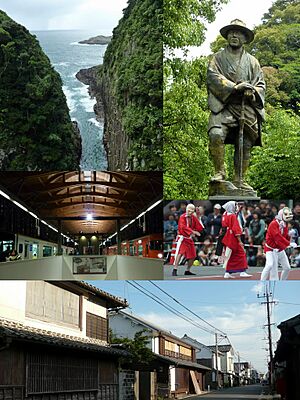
[[70, 98], [88, 103], [95, 122], [62, 64]]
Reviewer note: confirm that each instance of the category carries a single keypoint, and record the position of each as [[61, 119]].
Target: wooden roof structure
[[72, 196]]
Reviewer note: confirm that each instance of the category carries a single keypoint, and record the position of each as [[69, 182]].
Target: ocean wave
[[95, 122], [70, 98], [62, 64], [88, 103]]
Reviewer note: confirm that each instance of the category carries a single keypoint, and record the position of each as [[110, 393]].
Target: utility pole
[[266, 296], [217, 369], [239, 367]]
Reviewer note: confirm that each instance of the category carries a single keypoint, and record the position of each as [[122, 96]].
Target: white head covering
[[230, 207], [279, 218], [190, 206]]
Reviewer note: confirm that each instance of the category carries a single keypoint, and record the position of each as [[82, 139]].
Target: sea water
[[68, 56]]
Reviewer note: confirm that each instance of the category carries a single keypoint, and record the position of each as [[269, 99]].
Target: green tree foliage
[[183, 21], [275, 167], [132, 67], [139, 351], [277, 45], [36, 132], [186, 162]]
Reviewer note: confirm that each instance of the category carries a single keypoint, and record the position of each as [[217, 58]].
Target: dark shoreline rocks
[[88, 76], [100, 39]]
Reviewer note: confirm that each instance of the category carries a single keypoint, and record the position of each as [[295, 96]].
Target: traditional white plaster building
[[178, 373]]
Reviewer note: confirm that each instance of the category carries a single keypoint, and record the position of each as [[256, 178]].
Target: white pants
[[273, 258]]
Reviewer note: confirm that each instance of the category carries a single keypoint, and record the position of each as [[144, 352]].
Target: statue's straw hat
[[237, 24]]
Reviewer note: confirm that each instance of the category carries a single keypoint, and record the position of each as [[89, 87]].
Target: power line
[[168, 307], [202, 319], [186, 308], [179, 314]]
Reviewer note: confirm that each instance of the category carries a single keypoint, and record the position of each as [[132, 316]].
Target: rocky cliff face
[[89, 76], [36, 132], [128, 88]]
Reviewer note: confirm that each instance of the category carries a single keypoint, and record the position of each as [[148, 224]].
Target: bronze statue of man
[[236, 91]]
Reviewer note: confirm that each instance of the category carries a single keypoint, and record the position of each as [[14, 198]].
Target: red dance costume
[[186, 226], [276, 237], [237, 261]]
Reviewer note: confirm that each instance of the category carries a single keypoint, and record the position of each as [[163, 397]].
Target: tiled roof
[[290, 323], [18, 331], [224, 348], [181, 363]]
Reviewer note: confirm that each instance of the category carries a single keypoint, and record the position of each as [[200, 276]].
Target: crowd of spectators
[[254, 218]]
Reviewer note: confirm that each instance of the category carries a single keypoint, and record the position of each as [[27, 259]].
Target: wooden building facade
[[49, 352]]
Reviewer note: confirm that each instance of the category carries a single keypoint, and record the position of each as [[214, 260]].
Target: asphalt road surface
[[251, 392], [217, 273]]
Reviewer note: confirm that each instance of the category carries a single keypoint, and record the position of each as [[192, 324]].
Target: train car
[[31, 248], [150, 246]]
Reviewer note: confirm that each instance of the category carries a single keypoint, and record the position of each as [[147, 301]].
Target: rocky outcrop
[[36, 132], [128, 89], [115, 142], [100, 39], [89, 77]]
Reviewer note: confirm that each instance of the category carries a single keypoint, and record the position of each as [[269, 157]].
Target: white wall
[[39, 269], [155, 345], [12, 300], [123, 327], [173, 378], [139, 268], [12, 307]]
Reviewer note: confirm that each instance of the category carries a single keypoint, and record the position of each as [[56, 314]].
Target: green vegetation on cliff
[[131, 82], [36, 132]]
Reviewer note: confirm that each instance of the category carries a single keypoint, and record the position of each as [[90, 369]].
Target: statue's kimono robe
[[225, 70]]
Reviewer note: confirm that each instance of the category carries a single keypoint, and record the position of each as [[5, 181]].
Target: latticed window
[[48, 373], [96, 327]]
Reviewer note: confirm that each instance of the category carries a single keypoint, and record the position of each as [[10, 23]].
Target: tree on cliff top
[[36, 132], [132, 68]]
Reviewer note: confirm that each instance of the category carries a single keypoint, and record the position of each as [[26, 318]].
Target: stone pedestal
[[224, 190]]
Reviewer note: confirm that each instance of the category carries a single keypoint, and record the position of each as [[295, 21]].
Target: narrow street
[[251, 392]]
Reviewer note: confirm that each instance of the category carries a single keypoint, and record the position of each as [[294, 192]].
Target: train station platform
[[83, 268]]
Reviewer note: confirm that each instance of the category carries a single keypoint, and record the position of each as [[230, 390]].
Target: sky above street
[[98, 15], [232, 307]]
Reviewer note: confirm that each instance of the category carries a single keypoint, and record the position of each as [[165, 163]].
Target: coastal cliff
[[36, 132], [128, 89]]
